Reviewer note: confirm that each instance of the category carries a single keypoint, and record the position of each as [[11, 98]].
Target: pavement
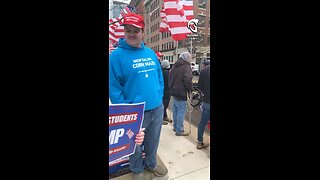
[[180, 155]]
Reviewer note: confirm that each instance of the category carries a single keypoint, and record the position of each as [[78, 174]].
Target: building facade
[[117, 8], [163, 42], [139, 6]]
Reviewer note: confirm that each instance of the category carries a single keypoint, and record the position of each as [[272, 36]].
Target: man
[[204, 87], [180, 84], [166, 95], [135, 76], [160, 56]]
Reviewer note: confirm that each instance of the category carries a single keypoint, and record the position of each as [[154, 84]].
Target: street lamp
[[192, 37]]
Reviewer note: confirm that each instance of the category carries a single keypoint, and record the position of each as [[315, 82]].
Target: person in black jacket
[[180, 84], [166, 95], [204, 87]]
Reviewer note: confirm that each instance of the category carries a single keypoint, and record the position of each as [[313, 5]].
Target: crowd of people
[[155, 84]]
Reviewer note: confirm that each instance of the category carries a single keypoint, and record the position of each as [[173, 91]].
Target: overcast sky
[[125, 1]]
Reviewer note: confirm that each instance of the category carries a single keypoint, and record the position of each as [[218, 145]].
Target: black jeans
[[165, 101]]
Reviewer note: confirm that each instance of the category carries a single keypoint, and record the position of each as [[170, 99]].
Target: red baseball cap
[[133, 19], [159, 54]]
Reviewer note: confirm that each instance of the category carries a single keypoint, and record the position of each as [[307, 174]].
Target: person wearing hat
[[159, 55], [180, 84], [204, 87], [166, 95], [135, 76]]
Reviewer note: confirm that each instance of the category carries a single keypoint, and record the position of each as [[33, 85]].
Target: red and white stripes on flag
[[163, 25], [115, 30], [175, 14], [188, 8]]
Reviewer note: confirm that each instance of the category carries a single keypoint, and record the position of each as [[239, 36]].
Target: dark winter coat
[[165, 73], [204, 83], [180, 80]]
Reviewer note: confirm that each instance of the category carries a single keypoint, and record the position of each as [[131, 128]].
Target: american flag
[[175, 15], [127, 10], [163, 25], [115, 30], [188, 8]]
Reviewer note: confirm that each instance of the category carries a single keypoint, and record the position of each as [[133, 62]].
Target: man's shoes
[[164, 122], [139, 176], [202, 145], [159, 170], [167, 119], [182, 134]]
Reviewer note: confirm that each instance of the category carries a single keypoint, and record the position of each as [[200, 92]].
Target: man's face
[[159, 58], [133, 35]]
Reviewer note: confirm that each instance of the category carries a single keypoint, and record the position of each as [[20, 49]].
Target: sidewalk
[[181, 156]]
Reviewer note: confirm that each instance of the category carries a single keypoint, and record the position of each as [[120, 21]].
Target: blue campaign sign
[[125, 121]]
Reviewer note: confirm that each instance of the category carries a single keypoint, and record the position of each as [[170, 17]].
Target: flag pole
[[191, 49], [177, 50]]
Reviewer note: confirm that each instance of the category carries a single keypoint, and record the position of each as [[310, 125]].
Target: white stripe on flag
[[188, 13], [180, 30], [174, 18]]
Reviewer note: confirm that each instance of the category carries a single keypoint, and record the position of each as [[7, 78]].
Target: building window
[[202, 4], [201, 22], [202, 39]]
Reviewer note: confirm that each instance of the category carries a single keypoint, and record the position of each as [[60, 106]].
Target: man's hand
[[140, 137]]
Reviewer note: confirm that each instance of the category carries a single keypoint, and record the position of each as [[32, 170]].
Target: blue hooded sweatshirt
[[135, 76]]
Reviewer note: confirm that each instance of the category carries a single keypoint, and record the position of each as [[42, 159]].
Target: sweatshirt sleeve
[[115, 80]]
